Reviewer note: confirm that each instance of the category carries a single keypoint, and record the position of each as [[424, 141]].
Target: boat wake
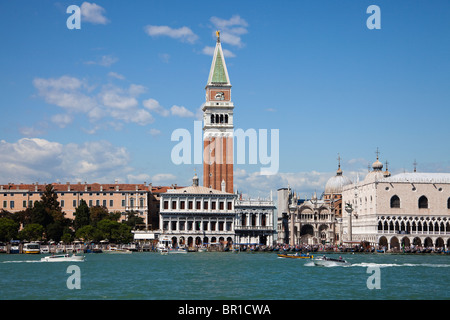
[[23, 261], [388, 265], [382, 265]]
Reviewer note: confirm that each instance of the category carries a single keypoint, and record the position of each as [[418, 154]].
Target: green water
[[230, 276]]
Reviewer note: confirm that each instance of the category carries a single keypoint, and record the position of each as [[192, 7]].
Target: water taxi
[[330, 262], [295, 256], [32, 248], [62, 258]]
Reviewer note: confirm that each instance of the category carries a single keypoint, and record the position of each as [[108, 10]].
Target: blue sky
[[100, 103]]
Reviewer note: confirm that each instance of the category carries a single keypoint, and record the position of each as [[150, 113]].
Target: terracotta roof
[[91, 187]]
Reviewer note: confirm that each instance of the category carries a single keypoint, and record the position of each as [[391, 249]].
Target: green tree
[[32, 232], [89, 233], [50, 199], [97, 214], [67, 237], [8, 229], [82, 216], [39, 215], [133, 219]]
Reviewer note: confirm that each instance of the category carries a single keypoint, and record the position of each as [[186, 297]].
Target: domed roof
[[377, 173], [336, 184]]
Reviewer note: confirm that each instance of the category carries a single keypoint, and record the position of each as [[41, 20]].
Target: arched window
[[395, 202], [212, 118], [217, 118], [448, 203], [423, 202], [221, 118], [226, 118]]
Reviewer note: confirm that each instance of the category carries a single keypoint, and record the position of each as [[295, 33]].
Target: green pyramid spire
[[219, 75]]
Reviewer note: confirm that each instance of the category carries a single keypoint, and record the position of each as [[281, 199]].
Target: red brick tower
[[218, 126]]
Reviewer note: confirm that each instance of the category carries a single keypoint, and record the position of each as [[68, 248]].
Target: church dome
[[377, 173], [336, 184]]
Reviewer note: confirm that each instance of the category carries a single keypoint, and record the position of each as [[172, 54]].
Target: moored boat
[[62, 258], [32, 248]]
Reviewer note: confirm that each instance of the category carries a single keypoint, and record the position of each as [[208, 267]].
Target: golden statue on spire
[[218, 35]]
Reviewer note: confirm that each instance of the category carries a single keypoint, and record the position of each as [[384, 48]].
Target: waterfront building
[[305, 221], [218, 125], [254, 224], [400, 211], [197, 216], [115, 197], [312, 221]]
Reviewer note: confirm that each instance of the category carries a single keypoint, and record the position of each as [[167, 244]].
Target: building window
[[198, 205], [104, 203], [166, 205], [213, 205], [5, 204], [174, 205], [90, 203], [229, 204], [123, 203], [220, 205], [395, 202], [74, 203], [212, 118], [25, 203], [190, 204], [111, 203], [182, 205], [11, 204], [62, 203], [205, 205], [423, 202], [448, 203]]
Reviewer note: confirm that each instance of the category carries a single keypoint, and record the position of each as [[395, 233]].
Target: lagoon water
[[225, 276]]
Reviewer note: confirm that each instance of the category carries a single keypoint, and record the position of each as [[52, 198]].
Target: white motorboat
[[117, 250], [330, 262], [62, 258], [177, 250]]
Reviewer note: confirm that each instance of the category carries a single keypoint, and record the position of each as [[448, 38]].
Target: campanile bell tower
[[218, 126]]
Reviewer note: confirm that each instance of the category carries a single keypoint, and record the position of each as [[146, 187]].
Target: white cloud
[[225, 24], [93, 13], [116, 75], [181, 112], [153, 105], [304, 183], [76, 96], [154, 132], [62, 120], [104, 61], [231, 29], [164, 57], [183, 34], [210, 52], [65, 92], [30, 160], [164, 179]]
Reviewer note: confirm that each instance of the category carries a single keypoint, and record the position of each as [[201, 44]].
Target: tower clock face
[[219, 95]]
